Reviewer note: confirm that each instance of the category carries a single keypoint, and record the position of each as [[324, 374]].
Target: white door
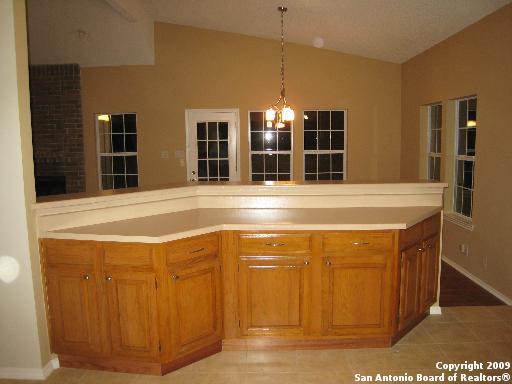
[[212, 144]]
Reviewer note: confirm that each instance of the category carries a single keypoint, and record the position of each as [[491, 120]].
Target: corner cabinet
[[153, 308]]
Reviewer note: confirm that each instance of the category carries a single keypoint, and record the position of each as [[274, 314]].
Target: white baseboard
[[29, 373], [476, 280], [435, 310]]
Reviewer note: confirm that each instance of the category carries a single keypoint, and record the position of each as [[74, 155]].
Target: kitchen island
[[149, 281]]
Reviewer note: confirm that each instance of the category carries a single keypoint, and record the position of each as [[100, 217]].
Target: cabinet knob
[[420, 249], [328, 262], [429, 246], [87, 277], [108, 278], [306, 262], [275, 244], [175, 277]]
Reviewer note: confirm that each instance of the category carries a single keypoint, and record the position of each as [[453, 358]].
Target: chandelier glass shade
[[280, 112]]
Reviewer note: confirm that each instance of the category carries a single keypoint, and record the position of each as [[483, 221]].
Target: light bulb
[[280, 125], [270, 114], [269, 123], [103, 117], [288, 114]]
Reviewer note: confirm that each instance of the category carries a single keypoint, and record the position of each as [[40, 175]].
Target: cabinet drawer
[[65, 252], [411, 235], [432, 225], [194, 247], [272, 244], [136, 255], [357, 242]]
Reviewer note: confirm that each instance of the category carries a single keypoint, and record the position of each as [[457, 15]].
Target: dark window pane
[[472, 110], [310, 163], [213, 170], [310, 121], [468, 174], [119, 182], [117, 123], [202, 179], [118, 164], [310, 176], [337, 122], [130, 143], [283, 163], [258, 177], [131, 165], [460, 172], [130, 123], [462, 142], [336, 176], [337, 140], [324, 120], [256, 121], [337, 162], [324, 140], [223, 168], [458, 200], [270, 141], [257, 164], [463, 112], [224, 179], [201, 131], [202, 168], [257, 141], [438, 142], [223, 149], [270, 163], [271, 176], [283, 177], [118, 143], [324, 163], [107, 181], [223, 130], [201, 150], [433, 141], [467, 200], [212, 130], [285, 141], [132, 181], [287, 126], [213, 149], [324, 176], [106, 164], [471, 141], [437, 168], [310, 140]]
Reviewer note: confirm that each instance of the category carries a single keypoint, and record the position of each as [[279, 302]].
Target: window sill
[[459, 220]]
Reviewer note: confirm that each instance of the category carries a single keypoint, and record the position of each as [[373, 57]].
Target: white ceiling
[[391, 30]]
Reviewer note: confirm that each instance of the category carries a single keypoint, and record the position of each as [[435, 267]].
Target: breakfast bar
[[148, 281]]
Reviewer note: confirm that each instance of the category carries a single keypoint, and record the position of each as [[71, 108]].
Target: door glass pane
[[213, 150]]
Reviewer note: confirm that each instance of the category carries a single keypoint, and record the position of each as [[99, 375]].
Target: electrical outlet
[[464, 249]]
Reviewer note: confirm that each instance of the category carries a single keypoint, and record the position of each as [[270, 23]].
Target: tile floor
[[460, 334]]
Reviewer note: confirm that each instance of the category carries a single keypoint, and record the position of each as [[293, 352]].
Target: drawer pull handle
[[87, 277], [328, 262], [420, 249], [108, 278], [175, 277], [306, 262], [197, 250], [361, 243], [275, 244]]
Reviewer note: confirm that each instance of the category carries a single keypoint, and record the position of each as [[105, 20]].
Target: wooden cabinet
[[356, 289], [429, 272], [132, 314], [195, 303], [409, 285], [74, 310]]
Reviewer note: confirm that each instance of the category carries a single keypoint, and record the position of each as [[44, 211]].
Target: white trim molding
[[30, 373], [478, 281]]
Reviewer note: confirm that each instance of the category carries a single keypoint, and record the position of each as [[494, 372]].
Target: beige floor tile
[[449, 332], [370, 360], [501, 351], [460, 352], [498, 331], [94, 377], [504, 312], [415, 357], [271, 378], [326, 378], [223, 362], [333, 360], [475, 314], [418, 335], [447, 316], [272, 361]]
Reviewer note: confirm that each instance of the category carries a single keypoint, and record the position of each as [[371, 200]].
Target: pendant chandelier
[[280, 111]]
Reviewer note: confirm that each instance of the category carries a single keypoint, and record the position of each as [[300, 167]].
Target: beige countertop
[[177, 225]]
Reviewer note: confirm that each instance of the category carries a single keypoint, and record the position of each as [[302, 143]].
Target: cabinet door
[[195, 303], [409, 285], [274, 295], [131, 297], [429, 272], [73, 306], [356, 294]]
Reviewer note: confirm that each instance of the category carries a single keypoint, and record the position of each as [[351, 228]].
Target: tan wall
[[198, 68], [477, 60]]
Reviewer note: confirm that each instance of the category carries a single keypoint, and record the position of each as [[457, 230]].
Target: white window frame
[[251, 152], [457, 157], [114, 154], [326, 151], [429, 141]]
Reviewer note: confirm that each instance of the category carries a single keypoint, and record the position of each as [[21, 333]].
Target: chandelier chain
[[282, 52]]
